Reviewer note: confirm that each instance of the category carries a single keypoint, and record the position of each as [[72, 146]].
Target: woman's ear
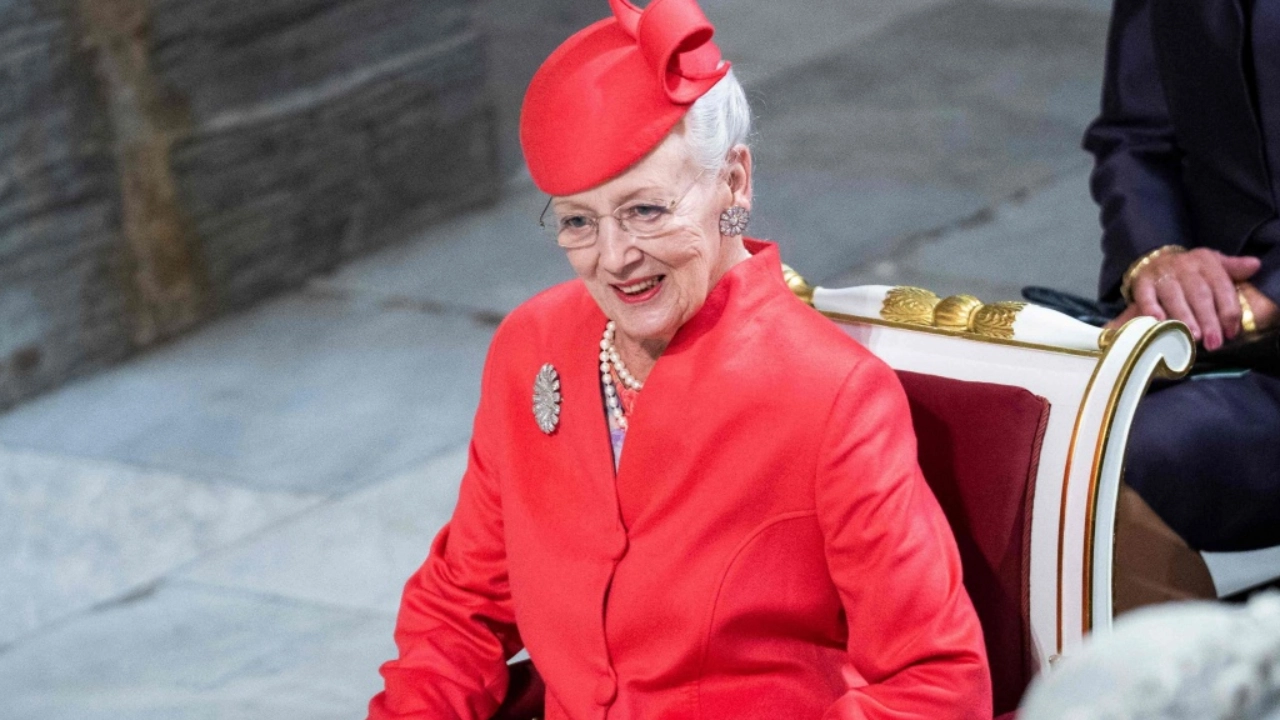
[[738, 175]]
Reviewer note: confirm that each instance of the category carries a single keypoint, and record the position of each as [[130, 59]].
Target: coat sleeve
[[915, 644], [1136, 179], [456, 626]]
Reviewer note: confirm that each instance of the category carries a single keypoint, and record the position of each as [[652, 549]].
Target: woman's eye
[[647, 212], [574, 222]]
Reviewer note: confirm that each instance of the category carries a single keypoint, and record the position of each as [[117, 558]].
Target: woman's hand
[[1265, 312], [1197, 287]]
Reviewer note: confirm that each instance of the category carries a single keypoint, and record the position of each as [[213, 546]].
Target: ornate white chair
[[1092, 381], [1050, 400]]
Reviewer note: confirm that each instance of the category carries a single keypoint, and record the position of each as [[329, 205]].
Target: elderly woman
[[688, 495]]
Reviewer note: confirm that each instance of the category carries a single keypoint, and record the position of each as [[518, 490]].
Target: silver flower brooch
[[546, 399]]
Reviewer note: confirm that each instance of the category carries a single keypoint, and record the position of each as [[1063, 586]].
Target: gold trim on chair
[[796, 282], [958, 315], [1162, 371], [910, 306], [1062, 504], [996, 319], [955, 313], [963, 336]]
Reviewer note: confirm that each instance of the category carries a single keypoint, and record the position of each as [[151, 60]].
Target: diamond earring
[[733, 221]]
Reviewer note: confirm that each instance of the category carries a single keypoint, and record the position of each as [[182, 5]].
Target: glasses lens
[[547, 222], [548, 228], [646, 220], [564, 231], [572, 231]]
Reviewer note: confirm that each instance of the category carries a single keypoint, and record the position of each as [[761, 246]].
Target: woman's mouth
[[640, 290]]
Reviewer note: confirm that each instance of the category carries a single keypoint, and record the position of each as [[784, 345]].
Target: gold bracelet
[[1126, 282], [1247, 321]]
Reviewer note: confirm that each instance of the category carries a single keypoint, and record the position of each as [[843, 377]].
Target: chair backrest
[[979, 448], [1092, 381]]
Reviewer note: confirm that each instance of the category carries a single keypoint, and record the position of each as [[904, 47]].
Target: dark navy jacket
[[1182, 142], [1188, 149]]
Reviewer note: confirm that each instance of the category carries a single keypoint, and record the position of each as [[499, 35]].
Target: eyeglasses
[[640, 219]]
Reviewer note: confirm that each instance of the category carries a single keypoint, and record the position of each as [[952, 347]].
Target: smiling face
[[652, 286]]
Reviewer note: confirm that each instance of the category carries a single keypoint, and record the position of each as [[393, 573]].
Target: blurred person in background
[[1187, 175], [1183, 661], [688, 494]]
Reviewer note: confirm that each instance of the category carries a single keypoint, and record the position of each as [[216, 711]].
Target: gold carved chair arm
[[957, 314]]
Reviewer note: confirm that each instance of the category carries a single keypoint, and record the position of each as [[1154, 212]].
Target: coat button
[[606, 689]]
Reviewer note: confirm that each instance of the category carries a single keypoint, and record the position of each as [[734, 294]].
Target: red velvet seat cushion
[[979, 448]]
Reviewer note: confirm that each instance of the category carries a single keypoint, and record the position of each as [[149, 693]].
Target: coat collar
[[663, 407], [745, 285]]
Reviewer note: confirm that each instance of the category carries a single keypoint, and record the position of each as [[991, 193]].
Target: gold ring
[[1247, 321]]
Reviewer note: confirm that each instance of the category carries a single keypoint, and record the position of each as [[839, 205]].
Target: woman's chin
[[644, 327]]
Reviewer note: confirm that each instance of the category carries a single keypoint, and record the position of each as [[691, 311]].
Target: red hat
[[611, 92]]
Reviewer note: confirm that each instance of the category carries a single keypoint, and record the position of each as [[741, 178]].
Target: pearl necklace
[[609, 358]]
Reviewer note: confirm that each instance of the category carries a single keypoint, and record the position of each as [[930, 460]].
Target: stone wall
[[162, 161]]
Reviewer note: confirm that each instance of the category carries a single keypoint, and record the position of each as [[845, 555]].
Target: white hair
[[718, 121], [1182, 661]]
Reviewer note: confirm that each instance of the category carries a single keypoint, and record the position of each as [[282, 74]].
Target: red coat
[[768, 548]]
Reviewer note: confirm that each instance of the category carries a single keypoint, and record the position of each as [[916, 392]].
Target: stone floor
[[221, 527]]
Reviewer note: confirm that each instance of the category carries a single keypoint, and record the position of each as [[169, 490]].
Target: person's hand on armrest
[[1197, 287]]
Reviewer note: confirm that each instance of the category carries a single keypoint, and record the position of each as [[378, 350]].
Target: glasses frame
[[669, 208]]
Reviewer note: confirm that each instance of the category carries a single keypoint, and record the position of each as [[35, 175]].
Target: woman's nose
[[617, 246]]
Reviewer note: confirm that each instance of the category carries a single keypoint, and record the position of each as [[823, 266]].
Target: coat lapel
[[682, 393], [585, 432]]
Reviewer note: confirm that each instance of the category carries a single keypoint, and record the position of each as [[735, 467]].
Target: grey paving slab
[[75, 533], [1036, 60], [307, 393], [764, 40], [192, 653], [1101, 7], [1050, 237], [949, 110], [355, 552], [825, 222], [491, 260]]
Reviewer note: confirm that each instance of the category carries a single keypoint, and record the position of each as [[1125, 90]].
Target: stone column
[[162, 161], [63, 309]]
